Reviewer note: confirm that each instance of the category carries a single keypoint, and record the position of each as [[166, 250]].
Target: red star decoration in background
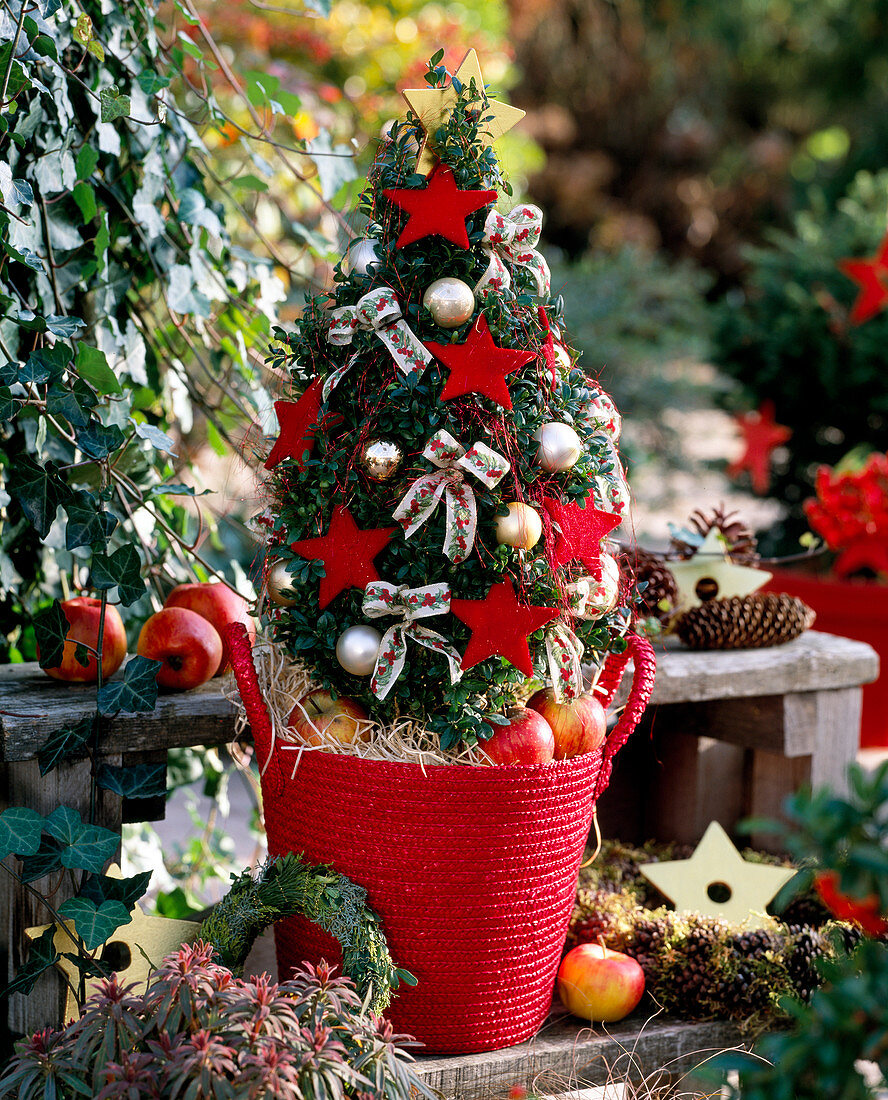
[[347, 553], [871, 275], [761, 435], [582, 530], [478, 365], [865, 552], [500, 626], [440, 209], [296, 419]]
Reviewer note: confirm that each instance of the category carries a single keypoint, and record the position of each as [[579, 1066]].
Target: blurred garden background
[[703, 167]]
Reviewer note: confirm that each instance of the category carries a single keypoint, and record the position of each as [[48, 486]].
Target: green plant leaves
[[51, 628], [88, 523], [94, 923], [127, 891], [41, 956], [92, 366], [155, 437], [123, 569], [136, 693], [114, 105], [85, 847], [20, 829], [64, 743], [99, 440], [38, 490], [133, 780]]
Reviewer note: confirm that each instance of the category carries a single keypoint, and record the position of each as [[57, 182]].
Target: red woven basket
[[472, 869]]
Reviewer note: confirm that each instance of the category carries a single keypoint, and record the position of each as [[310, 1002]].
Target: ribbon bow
[[514, 237], [382, 598], [564, 651], [453, 462], [377, 311]]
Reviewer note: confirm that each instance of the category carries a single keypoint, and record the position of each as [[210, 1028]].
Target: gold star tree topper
[[711, 570], [433, 106], [717, 870], [157, 937]]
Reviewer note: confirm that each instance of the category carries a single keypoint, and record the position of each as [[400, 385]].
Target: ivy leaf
[[45, 365], [64, 743], [123, 569], [155, 437], [51, 628], [88, 523], [99, 440], [44, 861], [85, 197], [176, 489], [20, 829], [113, 104], [83, 30], [38, 490], [136, 693], [8, 405], [96, 49], [17, 80], [127, 891], [41, 957], [85, 847], [20, 191], [94, 924], [133, 780], [151, 82], [92, 366], [62, 402], [50, 7], [64, 327], [86, 162]]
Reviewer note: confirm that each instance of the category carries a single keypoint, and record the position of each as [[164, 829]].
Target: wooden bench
[[729, 733]]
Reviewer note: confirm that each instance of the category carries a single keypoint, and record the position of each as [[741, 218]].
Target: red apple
[[596, 983], [318, 718], [219, 605], [527, 739], [83, 613], [579, 726], [187, 644]]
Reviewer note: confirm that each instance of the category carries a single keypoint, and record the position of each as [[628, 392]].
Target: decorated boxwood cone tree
[[445, 477]]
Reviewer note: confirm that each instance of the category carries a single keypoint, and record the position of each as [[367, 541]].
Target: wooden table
[[729, 733]]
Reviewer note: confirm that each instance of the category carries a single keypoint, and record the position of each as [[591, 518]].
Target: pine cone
[[659, 597], [745, 622], [740, 542]]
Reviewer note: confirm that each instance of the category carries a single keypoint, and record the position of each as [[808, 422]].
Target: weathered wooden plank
[[32, 705], [565, 1055]]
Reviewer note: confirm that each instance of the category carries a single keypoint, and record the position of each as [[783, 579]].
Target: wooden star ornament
[[710, 574], [439, 209], [761, 435], [434, 106], [347, 553], [717, 870], [871, 275], [500, 626], [479, 365]]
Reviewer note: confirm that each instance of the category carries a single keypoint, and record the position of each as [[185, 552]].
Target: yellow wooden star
[[716, 867], [433, 106], [710, 564], [156, 936]]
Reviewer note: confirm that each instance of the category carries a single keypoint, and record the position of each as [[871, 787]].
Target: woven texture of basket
[[472, 869]]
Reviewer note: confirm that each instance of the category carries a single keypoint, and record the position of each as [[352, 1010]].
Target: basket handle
[[250, 692], [642, 654]]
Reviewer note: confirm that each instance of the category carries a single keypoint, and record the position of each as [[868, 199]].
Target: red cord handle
[[642, 654], [254, 704]]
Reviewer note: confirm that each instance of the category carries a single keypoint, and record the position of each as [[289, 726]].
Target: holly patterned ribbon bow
[[587, 599], [449, 481], [377, 311], [382, 598], [514, 237]]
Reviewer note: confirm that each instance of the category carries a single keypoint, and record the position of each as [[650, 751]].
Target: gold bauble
[[380, 459], [278, 580], [521, 528], [450, 302]]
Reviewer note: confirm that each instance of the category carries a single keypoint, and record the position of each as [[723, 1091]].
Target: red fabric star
[[871, 275], [347, 554], [478, 365], [500, 626], [582, 530], [761, 435], [297, 419], [439, 209]]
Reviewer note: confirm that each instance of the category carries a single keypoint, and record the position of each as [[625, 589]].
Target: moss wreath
[[287, 886]]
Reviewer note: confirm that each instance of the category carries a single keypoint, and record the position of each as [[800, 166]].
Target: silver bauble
[[522, 528], [602, 416], [362, 256], [450, 302], [278, 580], [357, 648], [380, 459], [560, 446]]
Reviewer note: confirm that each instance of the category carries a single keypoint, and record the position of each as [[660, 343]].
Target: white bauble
[[560, 446], [450, 302], [357, 649], [361, 256]]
